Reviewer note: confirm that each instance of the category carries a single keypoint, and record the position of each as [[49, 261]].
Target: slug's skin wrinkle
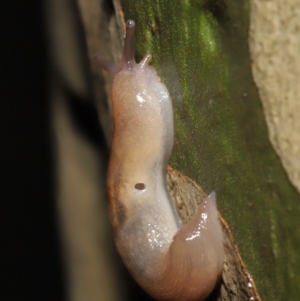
[[170, 261]]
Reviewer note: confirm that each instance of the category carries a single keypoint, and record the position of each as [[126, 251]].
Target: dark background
[[30, 261]]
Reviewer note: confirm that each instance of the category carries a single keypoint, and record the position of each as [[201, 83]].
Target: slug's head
[[129, 62], [142, 109]]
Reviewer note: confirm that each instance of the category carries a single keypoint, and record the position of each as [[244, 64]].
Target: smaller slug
[[169, 260]]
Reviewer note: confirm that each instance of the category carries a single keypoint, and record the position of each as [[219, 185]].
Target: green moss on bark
[[200, 50]]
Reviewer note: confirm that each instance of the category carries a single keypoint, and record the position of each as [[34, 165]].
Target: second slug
[[169, 260]]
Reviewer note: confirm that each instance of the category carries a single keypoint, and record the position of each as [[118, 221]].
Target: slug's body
[[170, 261]]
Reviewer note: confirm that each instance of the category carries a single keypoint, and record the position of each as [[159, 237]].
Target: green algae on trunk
[[200, 50]]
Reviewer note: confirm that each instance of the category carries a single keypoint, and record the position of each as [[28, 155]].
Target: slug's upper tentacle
[[128, 54], [170, 261]]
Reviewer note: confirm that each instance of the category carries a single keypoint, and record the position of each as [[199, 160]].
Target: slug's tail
[[194, 262]]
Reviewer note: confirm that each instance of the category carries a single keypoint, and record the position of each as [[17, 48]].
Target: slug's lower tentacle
[[170, 261], [112, 69]]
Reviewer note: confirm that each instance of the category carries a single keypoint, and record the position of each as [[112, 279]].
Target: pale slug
[[169, 260]]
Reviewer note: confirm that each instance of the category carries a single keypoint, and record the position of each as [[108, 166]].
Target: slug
[[169, 260]]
